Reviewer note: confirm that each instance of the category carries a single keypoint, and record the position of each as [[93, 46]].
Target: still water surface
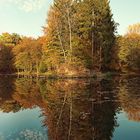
[[40, 109]]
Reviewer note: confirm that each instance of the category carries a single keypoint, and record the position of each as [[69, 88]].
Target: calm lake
[[78, 109]]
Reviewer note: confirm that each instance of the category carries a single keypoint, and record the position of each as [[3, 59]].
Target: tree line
[[80, 38]]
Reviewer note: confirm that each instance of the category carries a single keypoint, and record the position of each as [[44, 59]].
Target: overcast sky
[[27, 17]]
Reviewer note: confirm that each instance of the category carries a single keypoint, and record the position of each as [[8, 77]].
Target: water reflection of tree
[[129, 96], [80, 110], [104, 111], [7, 104], [74, 109], [28, 92]]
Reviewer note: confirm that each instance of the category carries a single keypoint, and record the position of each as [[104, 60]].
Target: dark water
[[39, 109]]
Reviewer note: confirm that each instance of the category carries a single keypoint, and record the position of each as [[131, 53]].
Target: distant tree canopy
[[7, 43], [129, 50], [28, 55], [133, 29], [10, 39]]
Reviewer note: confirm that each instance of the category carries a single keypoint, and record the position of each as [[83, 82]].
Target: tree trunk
[[61, 44], [70, 34]]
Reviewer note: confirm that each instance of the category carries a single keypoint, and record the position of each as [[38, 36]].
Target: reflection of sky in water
[[127, 130], [23, 125]]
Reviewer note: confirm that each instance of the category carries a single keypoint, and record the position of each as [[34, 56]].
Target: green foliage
[[83, 30], [10, 39], [7, 43], [6, 56], [42, 67], [129, 52], [79, 38], [104, 29], [28, 55]]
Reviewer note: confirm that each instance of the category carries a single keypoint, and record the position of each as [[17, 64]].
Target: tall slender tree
[[104, 29], [82, 31]]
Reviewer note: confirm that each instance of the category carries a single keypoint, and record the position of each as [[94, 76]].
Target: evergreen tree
[[81, 31], [59, 27], [103, 37]]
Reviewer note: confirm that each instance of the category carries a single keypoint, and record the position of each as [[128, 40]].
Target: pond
[[70, 109]]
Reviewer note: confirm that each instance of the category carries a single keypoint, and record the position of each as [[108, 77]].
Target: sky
[[26, 17]]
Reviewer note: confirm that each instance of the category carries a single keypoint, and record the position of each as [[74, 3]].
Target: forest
[[80, 39]]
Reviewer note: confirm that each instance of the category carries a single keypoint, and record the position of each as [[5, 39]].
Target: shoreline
[[93, 76], [96, 75]]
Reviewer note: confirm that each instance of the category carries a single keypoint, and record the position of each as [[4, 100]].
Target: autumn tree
[[82, 32], [79, 38], [7, 43], [10, 39], [6, 56], [133, 29], [129, 51], [28, 55]]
